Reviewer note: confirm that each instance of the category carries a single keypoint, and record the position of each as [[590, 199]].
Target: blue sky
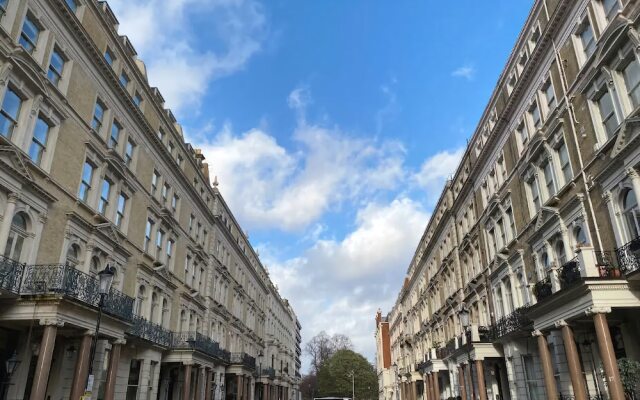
[[331, 124]]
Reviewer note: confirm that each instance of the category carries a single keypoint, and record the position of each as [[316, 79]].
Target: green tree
[[334, 377]]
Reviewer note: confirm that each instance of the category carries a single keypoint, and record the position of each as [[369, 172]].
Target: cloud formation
[[168, 38], [436, 170], [467, 72]]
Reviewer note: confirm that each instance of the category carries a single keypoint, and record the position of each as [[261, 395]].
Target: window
[[580, 236], [179, 160], [3, 6], [147, 234], [561, 255], [94, 265], [39, 140], [56, 66], [523, 135], [155, 180], [29, 36], [109, 57], [607, 113], [548, 179], [587, 39], [137, 99], [535, 388], [17, 236], [534, 114], [159, 240], [165, 192], [631, 75], [161, 135], [73, 255], [122, 206], [550, 95], [9, 113], [170, 244], [512, 223], [174, 202], [104, 196], [98, 116], [191, 220], [565, 164], [128, 152], [171, 148], [115, 135], [631, 213], [85, 184], [72, 5], [134, 379], [610, 8], [124, 79], [535, 195]]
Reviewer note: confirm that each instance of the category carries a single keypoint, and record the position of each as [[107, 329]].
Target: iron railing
[[570, 273], [447, 350], [10, 275], [542, 289], [421, 366], [514, 322], [150, 331], [629, 256], [607, 265], [198, 342], [69, 282], [269, 373], [243, 359]]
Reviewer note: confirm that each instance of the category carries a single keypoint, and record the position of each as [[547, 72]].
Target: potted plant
[[630, 377]]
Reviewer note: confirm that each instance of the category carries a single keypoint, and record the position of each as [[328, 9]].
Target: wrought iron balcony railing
[[149, 331], [10, 275], [69, 282], [447, 350], [514, 322], [629, 256], [421, 366], [198, 342], [542, 289], [269, 373], [607, 266], [570, 273], [243, 359]]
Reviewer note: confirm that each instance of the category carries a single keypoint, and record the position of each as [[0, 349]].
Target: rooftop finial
[[215, 182]]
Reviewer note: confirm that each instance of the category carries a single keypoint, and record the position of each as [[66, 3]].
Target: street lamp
[[395, 379], [352, 375], [10, 367], [105, 278], [465, 321]]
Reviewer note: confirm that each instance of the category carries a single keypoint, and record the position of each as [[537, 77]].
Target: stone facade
[[525, 283], [94, 171]]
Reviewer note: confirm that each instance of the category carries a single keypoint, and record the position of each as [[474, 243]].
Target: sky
[[331, 125]]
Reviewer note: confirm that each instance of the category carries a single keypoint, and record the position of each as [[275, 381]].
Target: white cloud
[[436, 170], [467, 72], [180, 60], [337, 285]]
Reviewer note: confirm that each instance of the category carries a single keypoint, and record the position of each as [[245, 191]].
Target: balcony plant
[[630, 377]]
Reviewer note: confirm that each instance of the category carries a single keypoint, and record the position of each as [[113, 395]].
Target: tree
[[322, 346], [334, 377], [308, 386]]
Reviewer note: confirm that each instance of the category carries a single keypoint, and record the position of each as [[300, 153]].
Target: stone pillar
[[605, 346], [7, 217], [414, 390], [472, 387], [186, 385], [463, 390], [482, 390], [265, 391], [436, 386], [547, 366], [573, 361], [207, 386], [239, 391], [82, 368], [430, 386], [41, 376], [112, 370], [202, 374]]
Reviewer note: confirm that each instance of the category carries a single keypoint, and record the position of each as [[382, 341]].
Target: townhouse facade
[[524, 284], [95, 173]]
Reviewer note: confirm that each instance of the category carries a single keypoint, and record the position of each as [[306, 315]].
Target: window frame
[[28, 43]]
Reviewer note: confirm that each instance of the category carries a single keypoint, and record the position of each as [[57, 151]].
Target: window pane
[[9, 113], [98, 114], [72, 5], [108, 56], [124, 80], [632, 81], [39, 141], [588, 41], [29, 35], [611, 7], [115, 135], [55, 67]]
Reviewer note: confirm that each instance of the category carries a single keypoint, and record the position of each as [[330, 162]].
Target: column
[[186, 385], [436, 386], [472, 387], [605, 346], [202, 374], [547, 366], [112, 370], [425, 386], [207, 388], [482, 390], [430, 386], [265, 391], [7, 217], [463, 390], [239, 387], [82, 368], [573, 361], [48, 342], [414, 390]]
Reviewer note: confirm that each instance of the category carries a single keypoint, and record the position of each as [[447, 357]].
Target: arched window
[[154, 307], [17, 236], [94, 268], [631, 213], [165, 313], [73, 255], [580, 236], [499, 304], [561, 255], [544, 261], [524, 295], [508, 294], [140, 301]]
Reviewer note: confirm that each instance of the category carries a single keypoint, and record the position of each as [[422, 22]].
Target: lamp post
[[395, 379], [465, 321], [352, 375], [260, 355], [105, 280], [10, 367]]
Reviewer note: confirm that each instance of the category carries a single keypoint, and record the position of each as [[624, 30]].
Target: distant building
[[525, 282], [94, 171], [387, 384]]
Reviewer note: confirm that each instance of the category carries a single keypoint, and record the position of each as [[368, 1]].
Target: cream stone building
[[95, 172], [525, 283]]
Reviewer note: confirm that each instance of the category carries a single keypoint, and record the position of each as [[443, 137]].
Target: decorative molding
[[560, 323], [597, 310], [57, 322]]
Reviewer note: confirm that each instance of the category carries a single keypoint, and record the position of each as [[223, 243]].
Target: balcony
[[10, 275], [570, 273], [542, 289], [154, 333], [243, 359], [69, 282], [198, 342], [607, 266], [514, 322], [269, 373], [448, 349], [629, 256]]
